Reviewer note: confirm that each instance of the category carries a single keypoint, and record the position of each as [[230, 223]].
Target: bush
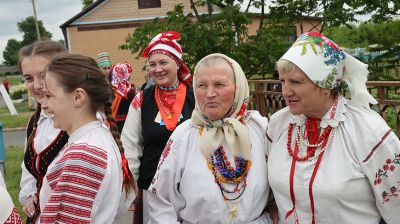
[[17, 91]]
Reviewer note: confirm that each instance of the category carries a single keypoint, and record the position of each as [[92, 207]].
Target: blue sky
[[52, 13]]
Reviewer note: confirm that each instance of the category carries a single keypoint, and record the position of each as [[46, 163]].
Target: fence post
[[2, 152]]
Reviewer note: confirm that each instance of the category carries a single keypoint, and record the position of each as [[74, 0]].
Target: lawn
[[14, 157], [20, 120]]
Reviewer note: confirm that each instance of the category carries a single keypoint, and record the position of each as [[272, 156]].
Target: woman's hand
[[273, 212], [30, 206]]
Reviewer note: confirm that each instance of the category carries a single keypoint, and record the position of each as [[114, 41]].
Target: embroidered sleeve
[[382, 168], [132, 139], [75, 180], [14, 218], [137, 101], [165, 200]]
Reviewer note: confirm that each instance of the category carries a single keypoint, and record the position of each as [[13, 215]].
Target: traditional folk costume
[[214, 171], [46, 144], [349, 172], [8, 213], [84, 182], [154, 114], [123, 92]]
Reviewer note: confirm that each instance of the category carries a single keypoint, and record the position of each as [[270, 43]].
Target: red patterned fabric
[[14, 218], [137, 101], [75, 180]]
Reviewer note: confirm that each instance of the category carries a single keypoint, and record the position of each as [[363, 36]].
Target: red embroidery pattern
[[392, 192], [390, 166], [14, 218], [165, 153], [75, 180], [137, 101]]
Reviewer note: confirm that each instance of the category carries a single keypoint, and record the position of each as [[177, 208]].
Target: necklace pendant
[[169, 117]]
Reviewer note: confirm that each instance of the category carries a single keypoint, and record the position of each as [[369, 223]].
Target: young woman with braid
[[90, 177], [43, 140]]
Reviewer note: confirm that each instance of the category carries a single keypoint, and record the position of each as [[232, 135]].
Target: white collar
[[326, 120], [85, 129]]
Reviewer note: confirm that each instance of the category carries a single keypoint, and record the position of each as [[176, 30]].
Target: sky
[[52, 13]]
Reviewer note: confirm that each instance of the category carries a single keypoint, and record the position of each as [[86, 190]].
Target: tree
[[10, 54], [27, 27], [86, 3], [257, 54], [334, 12]]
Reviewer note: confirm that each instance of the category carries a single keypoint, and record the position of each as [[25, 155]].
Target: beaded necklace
[[167, 99], [231, 181]]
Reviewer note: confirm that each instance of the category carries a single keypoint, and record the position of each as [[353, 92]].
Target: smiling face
[[163, 70], [303, 96], [32, 71], [58, 103], [215, 90]]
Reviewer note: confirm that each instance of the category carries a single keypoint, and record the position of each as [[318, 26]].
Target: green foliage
[[10, 54], [14, 158], [86, 3], [225, 33], [334, 12], [28, 28], [17, 91]]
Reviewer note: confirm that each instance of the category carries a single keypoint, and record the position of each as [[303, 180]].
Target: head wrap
[[166, 43], [327, 65], [120, 74], [233, 127], [103, 59]]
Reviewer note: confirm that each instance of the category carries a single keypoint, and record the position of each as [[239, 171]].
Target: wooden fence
[[266, 97]]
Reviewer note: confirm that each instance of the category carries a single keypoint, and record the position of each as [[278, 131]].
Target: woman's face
[[302, 95], [215, 90], [163, 70], [32, 72], [58, 103]]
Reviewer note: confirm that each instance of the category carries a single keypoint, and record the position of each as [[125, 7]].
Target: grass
[[14, 79], [14, 158], [20, 120]]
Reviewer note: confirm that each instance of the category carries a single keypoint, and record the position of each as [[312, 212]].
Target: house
[[106, 24]]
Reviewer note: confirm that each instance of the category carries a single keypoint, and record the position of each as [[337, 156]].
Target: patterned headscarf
[[327, 65], [120, 74], [166, 43], [103, 59], [233, 127]]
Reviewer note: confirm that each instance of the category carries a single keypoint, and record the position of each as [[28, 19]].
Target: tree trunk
[[262, 14], [193, 6], [248, 6]]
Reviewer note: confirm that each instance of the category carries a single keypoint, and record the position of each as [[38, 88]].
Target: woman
[[332, 160], [8, 213], [43, 140], [156, 111], [84, 183], [124, 92], [213, 168]]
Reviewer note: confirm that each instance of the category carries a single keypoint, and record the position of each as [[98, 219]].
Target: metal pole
[[36, 21], [2, 152]]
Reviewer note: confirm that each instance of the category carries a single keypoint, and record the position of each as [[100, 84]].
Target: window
[[145, 4]]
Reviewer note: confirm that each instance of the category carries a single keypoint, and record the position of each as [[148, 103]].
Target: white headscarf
[[232, 128], [327, 65]]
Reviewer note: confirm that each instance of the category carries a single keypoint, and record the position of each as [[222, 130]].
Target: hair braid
[[128, 180], [35, 118]]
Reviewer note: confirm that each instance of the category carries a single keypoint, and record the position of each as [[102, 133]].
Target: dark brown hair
[[47, 49], [74, 71]]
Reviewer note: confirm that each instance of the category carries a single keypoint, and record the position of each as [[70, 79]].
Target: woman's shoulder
[[257, 121], [279, 122]]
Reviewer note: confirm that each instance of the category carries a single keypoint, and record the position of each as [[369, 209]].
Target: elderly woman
[[213, 168], [156, 111], [332, 160]]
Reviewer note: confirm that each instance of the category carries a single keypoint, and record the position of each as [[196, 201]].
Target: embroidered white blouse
[[45, 135], [84, 182], [184, 188], [358, 180]]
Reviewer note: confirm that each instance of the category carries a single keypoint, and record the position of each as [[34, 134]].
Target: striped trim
[[75, 180], [377, 145]]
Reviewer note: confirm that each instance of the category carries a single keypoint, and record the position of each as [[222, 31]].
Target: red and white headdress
[[166, 43]]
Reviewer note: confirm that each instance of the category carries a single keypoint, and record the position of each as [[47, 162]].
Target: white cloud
[[52, 13]]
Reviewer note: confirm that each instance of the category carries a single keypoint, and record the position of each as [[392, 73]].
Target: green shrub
[[17, 91]]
